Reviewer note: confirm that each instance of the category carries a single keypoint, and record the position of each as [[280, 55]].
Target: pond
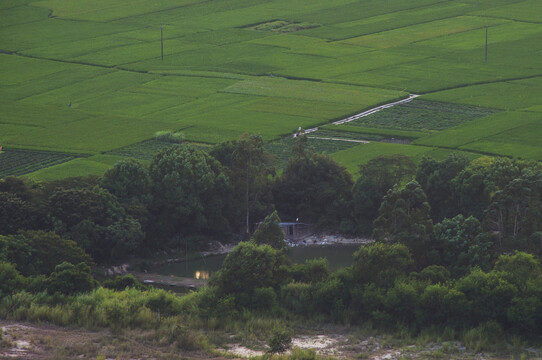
[[338, 256]]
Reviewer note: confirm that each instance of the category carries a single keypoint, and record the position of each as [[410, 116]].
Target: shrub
[[264, 298], [311, 271], [169, 136], [120, 283], [70, 279], [381, 263], [10, 279], [280, 340]]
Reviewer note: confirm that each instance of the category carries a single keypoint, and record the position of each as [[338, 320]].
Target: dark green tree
[[94, 219], [435, 179], [459, 245], [269, 232], [404, 218], [38, 252], [515, 212], [15, 214], [249, 168], [313, 188], [476, 185], [11, 280], [376, 178], [248, 267], [129, 181], [70, 279], [488, 296], [68, 207], [381, 263], [189, 188], [18, 186]]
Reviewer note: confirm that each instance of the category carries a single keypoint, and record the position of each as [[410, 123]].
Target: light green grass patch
[[131, 53], [68, 75], [75, 167], [505, 149], [92, 135], [509, 95], [74, 49], [307, 45], [343, 67], [53, 31], [419, 32], [22, 15], [528, 10], [85, 90], [106, 10], [305, 108], [479, 129], [499, 31], [354, 157], [392, 20], [42, 116], [529, 134], [315, 91], [16, 70], [354, 10]]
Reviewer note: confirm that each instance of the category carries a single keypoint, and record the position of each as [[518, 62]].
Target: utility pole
[[486, 44], [162, 41]]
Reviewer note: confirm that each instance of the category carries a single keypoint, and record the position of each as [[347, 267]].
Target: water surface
[[338, 256]]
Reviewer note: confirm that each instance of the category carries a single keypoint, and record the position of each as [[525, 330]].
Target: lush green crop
[[87, 76]]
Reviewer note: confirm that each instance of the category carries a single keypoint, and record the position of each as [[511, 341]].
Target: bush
[[311, 271], [486, 337], [381, 263], [280, 340], [120, 283], [70, 279], [10, 279], [169, 136], [264, 298]]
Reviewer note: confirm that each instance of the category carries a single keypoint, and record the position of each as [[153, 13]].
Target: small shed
[[294, 231]]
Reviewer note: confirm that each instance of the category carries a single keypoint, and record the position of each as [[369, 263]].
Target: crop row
[[18, 162]]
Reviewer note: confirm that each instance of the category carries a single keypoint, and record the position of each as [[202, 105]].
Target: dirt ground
[[42, 341]]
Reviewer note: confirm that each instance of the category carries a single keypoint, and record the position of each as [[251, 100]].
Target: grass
[[87, 77], [282, 148], [497, 124], [94, 165], [354, 157]]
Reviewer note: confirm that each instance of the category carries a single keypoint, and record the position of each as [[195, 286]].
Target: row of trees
[[186, 196]]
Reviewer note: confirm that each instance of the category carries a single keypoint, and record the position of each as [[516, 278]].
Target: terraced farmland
[[86, 77]]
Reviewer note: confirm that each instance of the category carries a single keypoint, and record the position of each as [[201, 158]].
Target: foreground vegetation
[[456, 257]]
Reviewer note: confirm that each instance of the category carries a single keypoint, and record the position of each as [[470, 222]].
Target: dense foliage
[[439, 261]]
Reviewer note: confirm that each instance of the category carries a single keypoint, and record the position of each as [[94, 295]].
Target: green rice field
[[86, 78]]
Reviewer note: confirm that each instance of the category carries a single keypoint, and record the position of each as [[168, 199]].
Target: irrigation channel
[[338, 256]]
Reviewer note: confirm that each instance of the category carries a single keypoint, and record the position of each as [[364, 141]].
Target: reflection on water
[[338, 256], [201, 275]]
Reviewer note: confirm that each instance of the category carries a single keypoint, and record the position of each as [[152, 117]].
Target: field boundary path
[[359, 116], [338, 139]]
